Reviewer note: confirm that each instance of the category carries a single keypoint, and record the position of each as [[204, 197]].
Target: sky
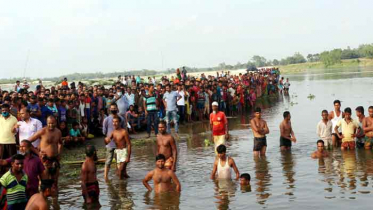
[[48, 38]]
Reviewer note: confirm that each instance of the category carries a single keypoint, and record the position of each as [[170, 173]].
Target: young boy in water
[[349, 130], [224, 164]]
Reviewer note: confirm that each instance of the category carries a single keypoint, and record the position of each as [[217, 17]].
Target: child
[[76, 134], [64, 133], [72, 115], [245, 182], [224, 164]]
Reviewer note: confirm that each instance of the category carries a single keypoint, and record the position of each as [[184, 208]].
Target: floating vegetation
[[311, 96], [293, 103], [207, 142]]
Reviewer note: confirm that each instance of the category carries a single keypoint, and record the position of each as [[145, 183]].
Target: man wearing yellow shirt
[[349, 129], [8, 129]]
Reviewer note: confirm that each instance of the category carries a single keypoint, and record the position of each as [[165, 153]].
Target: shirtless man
[[287, 134], [123, 144], [260, 129], [50, 150], [320, 153], [90, 188], [39, 200], [162, 177], [335, 116], [166, 146], [368, 129]]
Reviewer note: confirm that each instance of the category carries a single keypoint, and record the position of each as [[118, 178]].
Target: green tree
[[259, 61]]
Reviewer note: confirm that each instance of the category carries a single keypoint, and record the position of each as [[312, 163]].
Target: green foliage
[[259, 61], [296, 58], [329, 58]]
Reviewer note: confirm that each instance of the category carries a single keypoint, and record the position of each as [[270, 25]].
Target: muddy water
[[280, 181]]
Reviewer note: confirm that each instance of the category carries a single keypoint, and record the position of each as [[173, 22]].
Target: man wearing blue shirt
[[169, 99]]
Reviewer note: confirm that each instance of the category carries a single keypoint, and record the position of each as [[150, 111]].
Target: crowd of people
[[35, 125]]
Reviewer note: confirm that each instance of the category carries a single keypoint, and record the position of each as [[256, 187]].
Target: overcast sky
[[100, 35]]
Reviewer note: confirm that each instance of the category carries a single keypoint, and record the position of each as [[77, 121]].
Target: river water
[[280, 181]]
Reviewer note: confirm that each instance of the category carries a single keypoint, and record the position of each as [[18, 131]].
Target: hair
[[258, 109], [324, 111], [17, 157], [337, 102], [370, 107], [5, 106], [162, 122], [118, 118], [114, 104], [320, 141], [348, 110], [75, 124], [221, 149], [360, 109], [246, 176], [90, 150], [160, 157], [286, 114], [46, 184], [28, 143]]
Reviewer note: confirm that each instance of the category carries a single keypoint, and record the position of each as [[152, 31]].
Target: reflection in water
[[121, 198], [166, 200], [288, 164], [263, 179], [225, 189]]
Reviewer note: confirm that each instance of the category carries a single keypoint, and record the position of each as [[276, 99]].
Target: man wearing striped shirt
[[151, 110], [15, 181]]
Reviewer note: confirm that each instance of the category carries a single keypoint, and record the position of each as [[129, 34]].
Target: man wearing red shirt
[[219, 125]]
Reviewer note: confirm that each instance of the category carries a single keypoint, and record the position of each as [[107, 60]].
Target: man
[[324, 129], [107, 129], [219, 125], [349, 129], [170, 99], [368, 129], [8, 128], [286, 86], [123, 147], [34, 107], [122, 104], [320, 153], [151, 110], [260, 129], [15, 182], [50, 150], [166, 145], [28, 126], [335, 116], [360, 136], [223, 165], [32, 167], [287, 134], [181, 103], [90, 187], [39, 200], [163, 178]]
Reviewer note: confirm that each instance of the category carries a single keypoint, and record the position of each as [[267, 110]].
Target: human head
[[162, 127], [337, 105], [113, 108], [221, 149], [324, 114], [245, 179], [258, 112], [17, 163], [116, 122], [75, 125], [91, 152], [287, 115], [51, 122], [25, 147], [160, 161], [25, 113], [370, 110], [46, 187], [5, 110], [359, 111], [215, 106], [347, 112], [320, 145]]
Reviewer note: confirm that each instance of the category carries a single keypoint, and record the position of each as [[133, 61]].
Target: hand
[[226, 136], [127, 160], [293, 139], [353, 135], [107, 140], [173, 168], [341, 136]]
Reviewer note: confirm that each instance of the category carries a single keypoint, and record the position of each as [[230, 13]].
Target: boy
[[224, 164]]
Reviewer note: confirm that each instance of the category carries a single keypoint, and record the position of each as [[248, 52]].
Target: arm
[[214, 169], [331, 115], [147, 178], [293, 136], [366, 128], [36, 136], [3, 162], [108, 139], [266, 129], [164, 103], [233, 165], [60, 144], [175, 180], [128, 142], [105, 126], [144, 104], [174, 153], [337, 132], [253, 126]]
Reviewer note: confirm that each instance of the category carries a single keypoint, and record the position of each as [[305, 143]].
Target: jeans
[[152, 119], [181, 113], [171, 115], [222, 106]]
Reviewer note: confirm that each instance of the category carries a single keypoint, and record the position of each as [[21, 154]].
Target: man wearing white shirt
[[130, 97], [28, 127], [324, 129], [181, 103]]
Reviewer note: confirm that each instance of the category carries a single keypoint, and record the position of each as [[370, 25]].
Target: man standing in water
[[90, 188], [219, 125], [50, 149], [320, 153], [360, 136], [162, 177], [335, 116], [166, 146], [224, 164], [368, 129], [324, 129], [123, 147], [287, 134], [260, 129], [39, 200], [349, 128]]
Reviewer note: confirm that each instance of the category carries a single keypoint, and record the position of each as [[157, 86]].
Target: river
[[280, 181]]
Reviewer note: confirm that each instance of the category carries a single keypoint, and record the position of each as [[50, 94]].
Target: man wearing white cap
[[219, 125]]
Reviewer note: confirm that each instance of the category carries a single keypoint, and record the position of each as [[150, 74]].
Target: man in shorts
[[349, 130], [219, 125], [368, 129], [166, 146], [287, 134], [260, 129]]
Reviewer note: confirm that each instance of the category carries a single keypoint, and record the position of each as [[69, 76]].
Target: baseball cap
[[215, 103]]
